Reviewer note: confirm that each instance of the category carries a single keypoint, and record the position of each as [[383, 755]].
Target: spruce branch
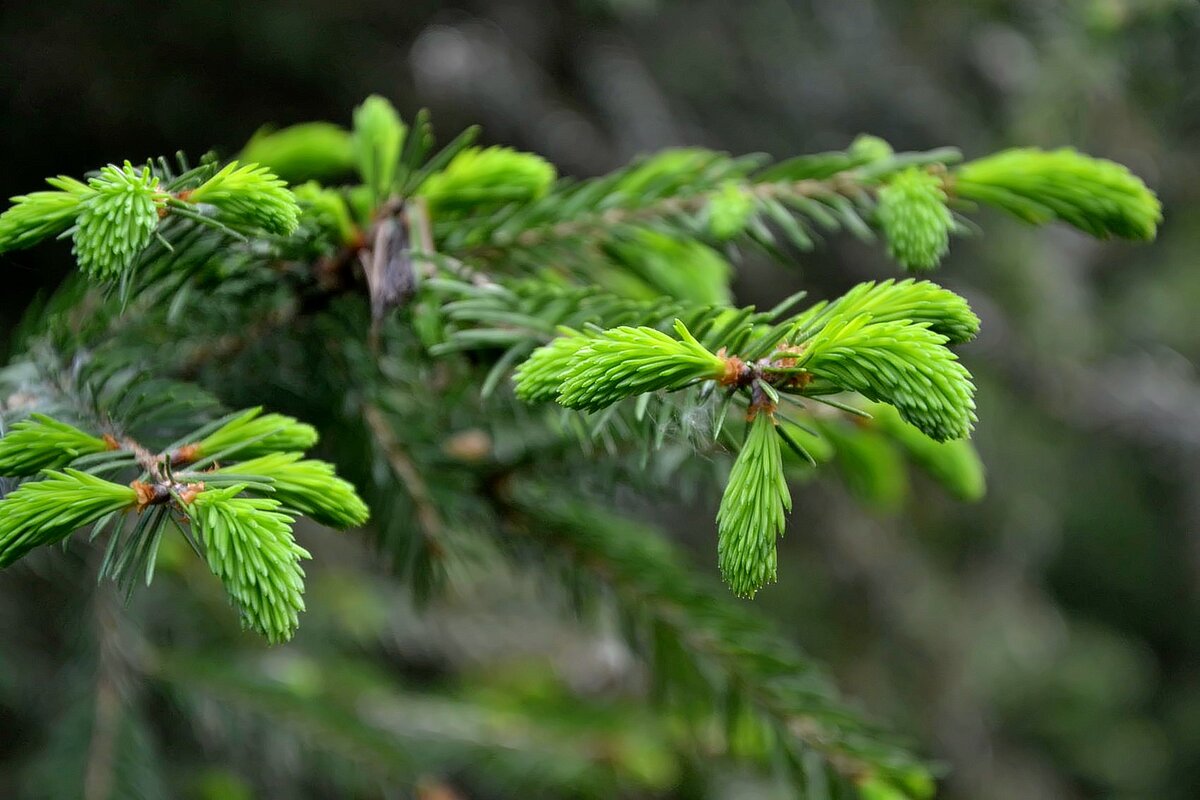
[[116, 217], [48, 510], [598, 224], [588, 326], [900, 363], [248, 435], [538, 377], [756, 495], [249, 195], [528, 312], [1097, 196], [249, 546], [117, 220], [247, 540], [309, 486], [623, 362], [41, 442], [40, 215], [752, 510], [910, 300], [678, 191]]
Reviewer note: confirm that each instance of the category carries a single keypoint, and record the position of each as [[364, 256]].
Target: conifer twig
[[843, 184]]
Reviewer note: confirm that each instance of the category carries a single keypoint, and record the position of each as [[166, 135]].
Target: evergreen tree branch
[[597, 225], [196, 260]]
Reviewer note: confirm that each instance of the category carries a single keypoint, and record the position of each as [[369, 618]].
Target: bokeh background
[[1044, 643]]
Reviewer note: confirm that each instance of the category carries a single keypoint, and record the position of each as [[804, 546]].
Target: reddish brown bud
[[737, 372], [185, 455], [191, 492]]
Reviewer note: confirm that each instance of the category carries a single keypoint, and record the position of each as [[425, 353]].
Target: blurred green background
[[1044, 643]]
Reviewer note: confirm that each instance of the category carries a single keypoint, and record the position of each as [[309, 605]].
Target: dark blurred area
[[1044, 643]]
